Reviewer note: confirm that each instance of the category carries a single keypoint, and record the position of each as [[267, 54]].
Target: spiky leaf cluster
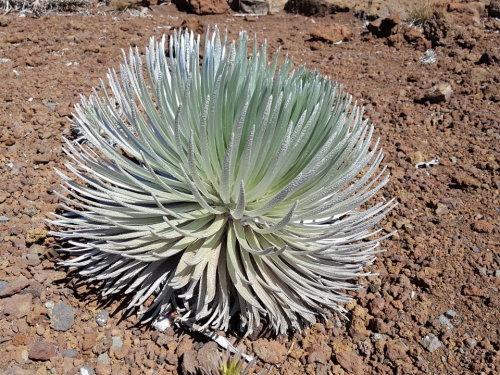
[[222, 186], [229, 365]]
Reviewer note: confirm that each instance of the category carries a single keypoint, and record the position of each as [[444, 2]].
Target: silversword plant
[[226, 186]]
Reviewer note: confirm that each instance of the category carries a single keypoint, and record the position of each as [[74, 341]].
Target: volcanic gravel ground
[[434, 308]]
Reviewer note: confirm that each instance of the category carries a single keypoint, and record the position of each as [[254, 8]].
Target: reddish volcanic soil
[[433, 309]]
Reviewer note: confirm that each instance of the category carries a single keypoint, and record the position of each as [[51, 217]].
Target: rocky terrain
[[433, 309]]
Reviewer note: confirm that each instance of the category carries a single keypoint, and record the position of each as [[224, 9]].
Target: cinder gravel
[[444, 259]]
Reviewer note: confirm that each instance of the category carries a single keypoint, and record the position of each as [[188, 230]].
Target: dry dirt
[[435, 306]]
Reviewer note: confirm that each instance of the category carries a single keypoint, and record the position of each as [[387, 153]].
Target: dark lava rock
[[385, 27], [316, 8], [489, 58], [494, 8], [436, 28]]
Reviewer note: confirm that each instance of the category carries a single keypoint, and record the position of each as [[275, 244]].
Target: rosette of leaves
[[222, 186]]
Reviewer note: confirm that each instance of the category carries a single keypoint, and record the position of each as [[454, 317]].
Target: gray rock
[[62, 317], [117, 342], [3, 285], [51, 106], [86, 370], [102, 317], [497, 273], [431, 342], [104, 359], [4, 60], [450, 314], [70, 353], [4, 219], [444, 322]]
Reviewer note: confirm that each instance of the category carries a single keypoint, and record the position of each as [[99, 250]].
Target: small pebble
[[86, 370], [431, 342], [444, 322], [374, 288], [70, 353], [102, 317], [104, 359], [117, 342], [4, 219]]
